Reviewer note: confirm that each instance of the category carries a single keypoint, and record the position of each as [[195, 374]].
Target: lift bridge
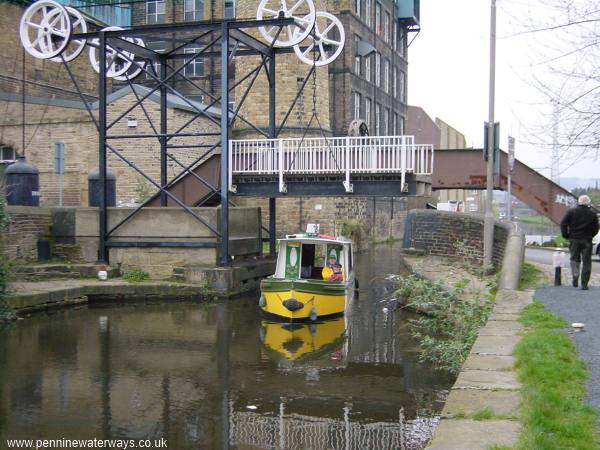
[[269, 166]]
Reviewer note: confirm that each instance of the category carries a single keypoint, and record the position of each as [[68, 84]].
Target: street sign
[[511, 153]]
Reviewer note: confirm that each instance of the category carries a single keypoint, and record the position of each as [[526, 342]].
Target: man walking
[[579, 226]]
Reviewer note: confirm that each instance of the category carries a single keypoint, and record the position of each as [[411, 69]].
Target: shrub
[[5, 310], [136, 275], [449, 330]]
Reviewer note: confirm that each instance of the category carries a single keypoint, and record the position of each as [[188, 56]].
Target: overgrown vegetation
[[6, 313], [556, 241], [136, 275], [554, 413], [530, 276], [354, 230], [143, 190], [449, 329]]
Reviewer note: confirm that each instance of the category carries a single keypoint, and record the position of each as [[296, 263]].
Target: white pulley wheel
[[76, 46], [45, 29], [137, 66], [328, 41], [303, 13], [118, 61]]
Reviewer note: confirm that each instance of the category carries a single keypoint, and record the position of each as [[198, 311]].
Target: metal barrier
[[336, 155]]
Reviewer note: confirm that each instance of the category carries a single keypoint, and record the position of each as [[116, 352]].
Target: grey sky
[[449, 75]]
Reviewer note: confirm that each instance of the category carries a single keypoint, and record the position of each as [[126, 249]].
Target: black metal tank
[[22, 183], [95, 188]]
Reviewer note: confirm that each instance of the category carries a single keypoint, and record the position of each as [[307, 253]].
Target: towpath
[[575, 305]]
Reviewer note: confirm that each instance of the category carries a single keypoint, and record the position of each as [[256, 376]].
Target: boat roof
[[316, 238]]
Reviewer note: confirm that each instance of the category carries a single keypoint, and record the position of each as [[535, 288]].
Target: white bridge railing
[[335, 155]]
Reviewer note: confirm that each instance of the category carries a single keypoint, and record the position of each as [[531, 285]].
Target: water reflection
[[302, 342], [219, 376]]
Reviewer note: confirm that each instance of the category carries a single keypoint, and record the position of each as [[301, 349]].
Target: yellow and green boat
[[314, 278]]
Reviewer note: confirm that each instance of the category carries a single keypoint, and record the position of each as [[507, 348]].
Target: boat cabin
[[314, 257]]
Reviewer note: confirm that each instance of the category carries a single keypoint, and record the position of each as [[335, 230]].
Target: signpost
[[511, 165]]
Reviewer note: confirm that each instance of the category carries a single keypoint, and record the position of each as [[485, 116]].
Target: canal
[[217, 376]]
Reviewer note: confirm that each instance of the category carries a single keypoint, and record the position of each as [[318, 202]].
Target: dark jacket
[[580, 222]]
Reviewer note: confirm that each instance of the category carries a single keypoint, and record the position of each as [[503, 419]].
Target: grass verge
[[530, 276], [554, 414]]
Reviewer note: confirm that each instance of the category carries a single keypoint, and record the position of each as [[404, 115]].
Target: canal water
[[217, 376]]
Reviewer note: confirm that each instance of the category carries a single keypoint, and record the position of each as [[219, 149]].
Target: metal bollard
[[557, 262]]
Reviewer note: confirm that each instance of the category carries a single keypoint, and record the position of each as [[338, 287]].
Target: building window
[[402, 82], [368, 68], [369, 12], [378, 69], [378, 18], [357, 58], [196, 98], [386, 121], [395, 124], [155, 11], [386, 27], [395, 35], [395, 82], [195, 68], [401, 130], [377, 119], [357, 99], [357, 7], [193, 10], [7, 154], [229, 9], [368, 111], [386, 75], [158, 46], [401, 41]]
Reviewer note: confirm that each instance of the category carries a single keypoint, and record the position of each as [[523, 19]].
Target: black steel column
[[272, 135], [163, 130], [225, 144], [103, 226]]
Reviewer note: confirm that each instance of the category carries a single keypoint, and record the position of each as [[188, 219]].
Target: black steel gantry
[[229, 38]]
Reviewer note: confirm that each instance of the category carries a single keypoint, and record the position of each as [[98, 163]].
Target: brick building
[[367, 81]]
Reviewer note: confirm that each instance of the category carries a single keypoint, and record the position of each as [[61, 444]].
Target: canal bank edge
[[487, 386]]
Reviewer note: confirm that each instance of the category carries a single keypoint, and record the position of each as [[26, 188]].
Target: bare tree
[[565, 69]]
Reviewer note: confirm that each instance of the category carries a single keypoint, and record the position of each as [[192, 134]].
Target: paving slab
[[501, 328], [489, 362], [495, 345], [486, 379], [469, 401], [474, 435], [498, 316]]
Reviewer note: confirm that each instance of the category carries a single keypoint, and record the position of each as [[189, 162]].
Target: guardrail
[[335, 155]]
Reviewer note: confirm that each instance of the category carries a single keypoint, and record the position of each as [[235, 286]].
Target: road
[[545, 256]]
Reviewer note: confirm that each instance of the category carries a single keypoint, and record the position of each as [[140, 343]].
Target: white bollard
[[557, 263]]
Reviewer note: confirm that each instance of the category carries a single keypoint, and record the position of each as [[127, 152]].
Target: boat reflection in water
[[295, 343]]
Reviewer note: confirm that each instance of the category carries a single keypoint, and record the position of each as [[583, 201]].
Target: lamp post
[[488, 227]]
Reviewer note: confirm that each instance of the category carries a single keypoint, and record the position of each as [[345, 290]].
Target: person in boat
[[337, 273], [327, 272]]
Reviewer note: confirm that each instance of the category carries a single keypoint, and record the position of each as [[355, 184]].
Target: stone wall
[[47, 125], [381, 217], [453, 235], [73, 233], [28, 224]]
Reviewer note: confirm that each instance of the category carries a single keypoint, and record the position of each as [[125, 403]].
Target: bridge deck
[[466, 169], [328, 166]]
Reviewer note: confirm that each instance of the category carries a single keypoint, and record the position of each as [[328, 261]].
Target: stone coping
[[26, 297], [488, 380]]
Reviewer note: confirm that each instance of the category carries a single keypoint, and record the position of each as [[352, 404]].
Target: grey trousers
[[581, 254]]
